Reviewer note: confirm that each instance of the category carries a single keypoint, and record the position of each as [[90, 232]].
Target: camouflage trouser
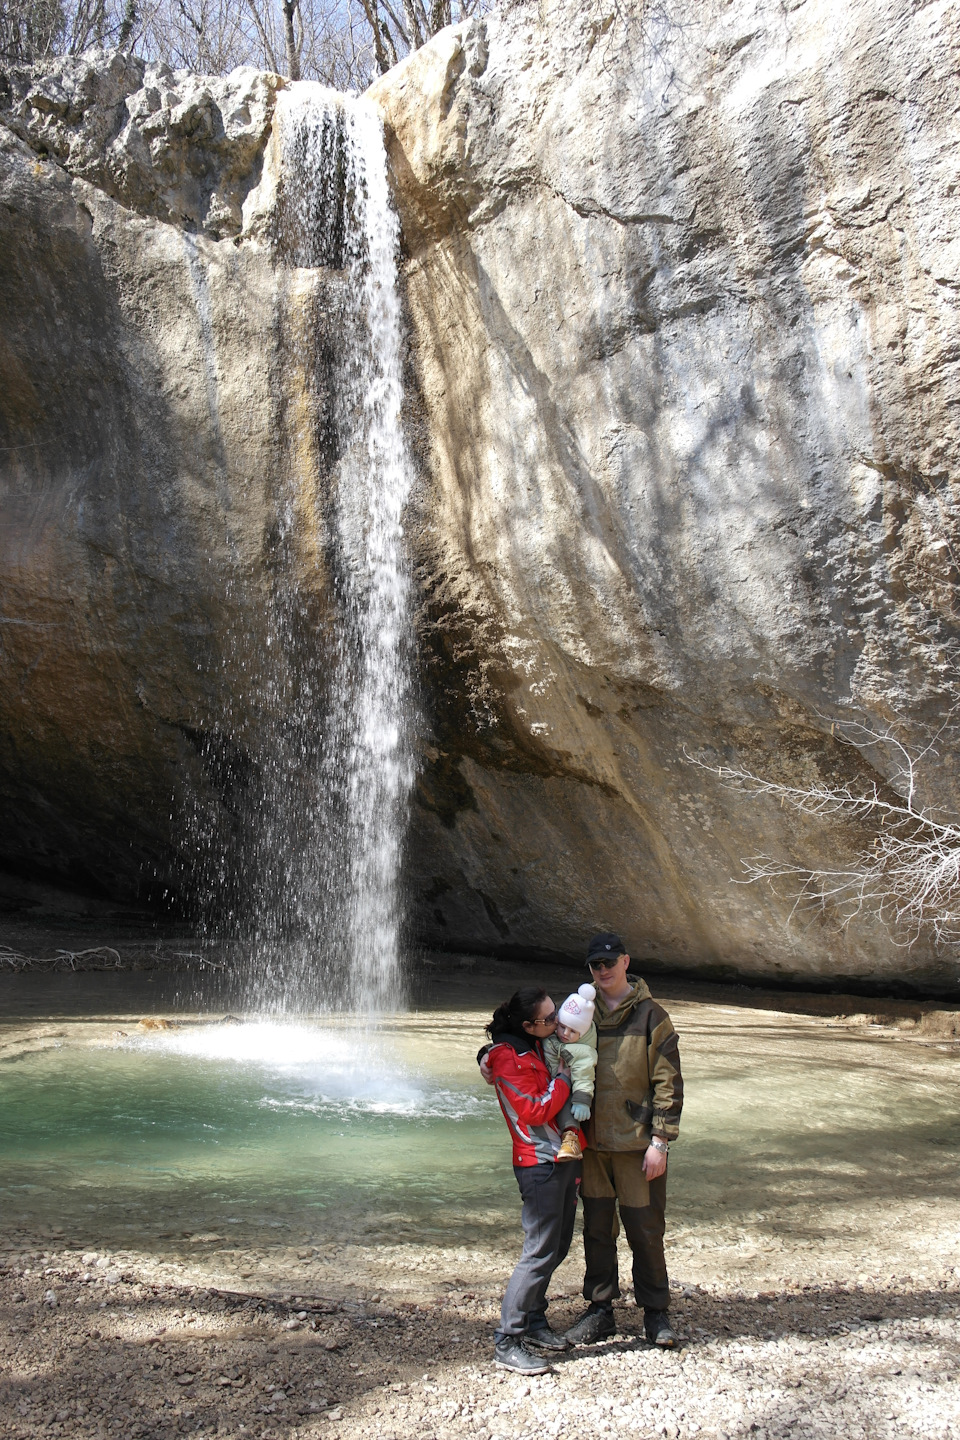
[[609, 1179]]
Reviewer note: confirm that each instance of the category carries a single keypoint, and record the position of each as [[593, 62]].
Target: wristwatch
[[659, 1144]]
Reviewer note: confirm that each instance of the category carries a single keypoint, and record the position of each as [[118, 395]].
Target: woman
[[530, 1100]]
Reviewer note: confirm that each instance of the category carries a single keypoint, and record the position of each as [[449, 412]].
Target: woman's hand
[[485, 1070], [654, 1162]]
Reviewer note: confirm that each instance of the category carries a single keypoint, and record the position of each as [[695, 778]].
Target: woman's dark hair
[[523, 1005]]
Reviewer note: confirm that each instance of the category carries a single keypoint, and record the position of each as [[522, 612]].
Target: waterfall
[[373, 735], [334, 797]]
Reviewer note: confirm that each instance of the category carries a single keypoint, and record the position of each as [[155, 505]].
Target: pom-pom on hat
[[576, 1012]]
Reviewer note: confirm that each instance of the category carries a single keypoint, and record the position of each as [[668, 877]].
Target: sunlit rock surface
[[682, 300], [684, 304]]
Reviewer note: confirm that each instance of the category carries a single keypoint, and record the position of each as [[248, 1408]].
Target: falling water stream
[[369, 733], [334, 778]]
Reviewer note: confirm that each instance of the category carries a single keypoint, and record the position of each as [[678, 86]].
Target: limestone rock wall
[[160, 458], [683, 288]]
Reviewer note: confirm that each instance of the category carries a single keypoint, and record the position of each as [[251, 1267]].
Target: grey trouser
[[549, 1194], [610, 1179]]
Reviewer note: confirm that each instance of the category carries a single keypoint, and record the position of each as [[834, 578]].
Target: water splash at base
[[321, 1069]]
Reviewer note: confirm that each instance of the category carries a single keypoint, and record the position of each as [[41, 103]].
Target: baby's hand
[[580, 1113]]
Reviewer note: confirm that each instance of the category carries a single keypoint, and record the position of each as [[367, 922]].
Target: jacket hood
[[520, 1043], [610, 1019]]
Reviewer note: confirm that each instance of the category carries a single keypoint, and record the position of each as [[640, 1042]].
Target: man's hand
[[485, 1070], [654, 1163]]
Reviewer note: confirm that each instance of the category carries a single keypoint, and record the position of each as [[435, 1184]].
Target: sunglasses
[[547, 1020], [602, 963]]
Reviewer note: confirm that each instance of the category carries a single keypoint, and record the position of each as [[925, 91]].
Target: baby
[[575, 1040]]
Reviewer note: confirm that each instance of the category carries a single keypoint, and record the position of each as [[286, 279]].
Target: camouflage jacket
[[639, 1088]]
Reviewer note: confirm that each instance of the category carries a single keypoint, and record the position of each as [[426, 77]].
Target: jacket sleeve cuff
[[581, 1097], [664, 1126], [484, 1049]]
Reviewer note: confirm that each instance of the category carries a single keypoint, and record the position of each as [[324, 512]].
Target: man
[[636, 1113]]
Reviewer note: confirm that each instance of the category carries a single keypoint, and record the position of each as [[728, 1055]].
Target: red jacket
[[529, 1098]]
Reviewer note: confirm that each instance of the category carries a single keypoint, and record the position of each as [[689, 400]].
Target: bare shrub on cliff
[[908, 875]]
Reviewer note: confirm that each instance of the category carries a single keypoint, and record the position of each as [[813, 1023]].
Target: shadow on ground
[[163, 1361]]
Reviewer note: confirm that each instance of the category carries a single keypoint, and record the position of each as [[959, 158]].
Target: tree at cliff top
[[343, 43]]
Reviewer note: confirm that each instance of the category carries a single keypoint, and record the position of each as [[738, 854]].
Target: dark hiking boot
[[543, 1338], [656, 1323], [511, 1354], [596, 1324]]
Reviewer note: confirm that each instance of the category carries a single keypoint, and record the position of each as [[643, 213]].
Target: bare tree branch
[[264, 36], [342, 43], [396, 22], [909, 875]]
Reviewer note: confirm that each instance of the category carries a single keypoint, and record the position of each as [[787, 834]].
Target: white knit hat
[[576, 1012]]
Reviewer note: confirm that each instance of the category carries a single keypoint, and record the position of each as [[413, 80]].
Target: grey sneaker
[[512, 1355], [546, 1339], [596, 1324], [656, 1323]]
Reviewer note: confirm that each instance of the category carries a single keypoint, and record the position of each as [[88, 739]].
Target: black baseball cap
[[605, 947]]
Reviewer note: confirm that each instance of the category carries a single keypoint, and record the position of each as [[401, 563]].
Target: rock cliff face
[[159, 480], [683, 283], [682, 297]]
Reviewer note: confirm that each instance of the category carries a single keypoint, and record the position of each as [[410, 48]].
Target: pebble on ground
[[93, 1350]]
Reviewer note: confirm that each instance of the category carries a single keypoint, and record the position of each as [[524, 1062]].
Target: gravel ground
[[90, 1349]]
